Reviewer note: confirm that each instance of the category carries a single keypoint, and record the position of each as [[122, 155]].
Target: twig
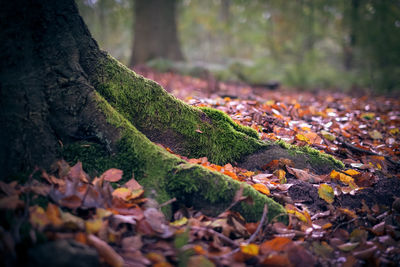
[[236, 199], [167, 203], [254, 235], [226, 239], [342, 224], [263, 220]]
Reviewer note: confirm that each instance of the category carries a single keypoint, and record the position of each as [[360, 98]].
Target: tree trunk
[[155, 31], [63, 97]]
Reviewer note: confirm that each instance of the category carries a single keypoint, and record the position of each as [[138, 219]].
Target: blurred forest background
[[307, 44]]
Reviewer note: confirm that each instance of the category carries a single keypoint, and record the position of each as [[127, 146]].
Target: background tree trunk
[[155, 31]]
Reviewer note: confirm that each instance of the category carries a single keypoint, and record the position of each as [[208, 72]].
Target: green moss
[[160, 116], [217, 115], [161, 172], [204, 188], [314, 156]]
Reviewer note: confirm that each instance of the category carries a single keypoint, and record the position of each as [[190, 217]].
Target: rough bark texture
[[155, 31]]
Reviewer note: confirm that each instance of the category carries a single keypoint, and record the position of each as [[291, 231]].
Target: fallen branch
[[212, 231], [167, 202], [360, 150]]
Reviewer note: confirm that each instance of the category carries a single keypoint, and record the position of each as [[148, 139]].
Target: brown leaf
[[71, 202], [276, 244], [11, 202], [132, 184], [304, 175], [76, 173], [112, 175], [106, 251]]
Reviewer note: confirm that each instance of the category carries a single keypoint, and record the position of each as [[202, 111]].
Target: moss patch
[[161, 172], [187, 130], [314, 156]]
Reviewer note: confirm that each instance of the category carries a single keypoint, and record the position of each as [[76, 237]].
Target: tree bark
[[62, 97], [155, 31]]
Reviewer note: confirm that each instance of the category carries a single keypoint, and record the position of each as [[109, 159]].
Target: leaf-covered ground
[[348, 218]]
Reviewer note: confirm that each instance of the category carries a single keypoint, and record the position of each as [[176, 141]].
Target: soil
[[384, 192]]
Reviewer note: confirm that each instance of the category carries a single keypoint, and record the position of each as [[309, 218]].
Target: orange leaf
[[231, 174], [262, 188], [276, 244], [352, 172], [122, 193], [53, 214], [112, 175]]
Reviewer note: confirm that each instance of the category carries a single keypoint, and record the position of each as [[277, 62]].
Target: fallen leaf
[[326, 193], [112, 175], [122, 193], [281, 174], [343, 178], [10, 202], [105, 251], [182, 221], [375, 134], [276, 244], [249, 249], [304, 175], [352, 172], [262, 188], [348, 246]]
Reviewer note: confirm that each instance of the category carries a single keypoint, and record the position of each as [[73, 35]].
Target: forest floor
[[348, 218]]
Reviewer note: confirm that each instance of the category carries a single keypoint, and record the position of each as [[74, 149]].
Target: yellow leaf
[[249, 249], [375, 134], [38, 217], [298, 214], [352, 172], [93, 226], [350, 213], [180, 222], [328, 135], [394, 131], [248, 174], [301, 137], [281, 174], [135, 194], [326, 193], [343, 178], [368, 115], [262, 188]]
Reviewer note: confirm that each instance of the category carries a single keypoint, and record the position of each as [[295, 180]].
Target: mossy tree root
[[169, 176], [141, 110]]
